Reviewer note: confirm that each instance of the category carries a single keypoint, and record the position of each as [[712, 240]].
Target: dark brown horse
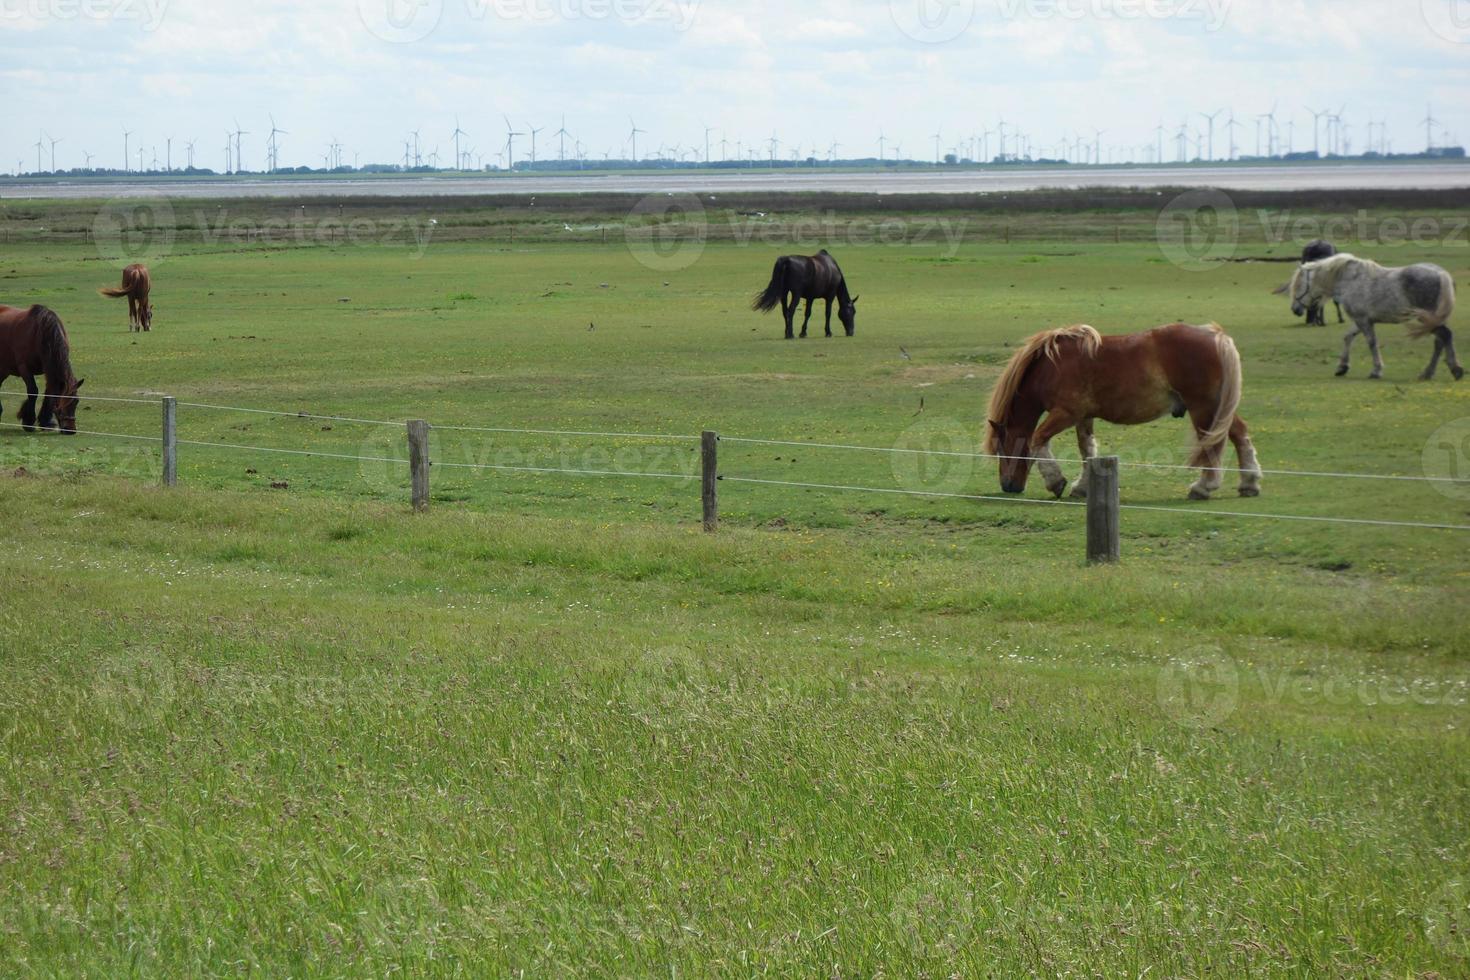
[[1074, 376], [810, 278], [33, 342], [136, 286]]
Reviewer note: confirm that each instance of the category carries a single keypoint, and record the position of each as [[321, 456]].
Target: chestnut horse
[[34, 342], [810, 278], [1074, 376], [136, 285]]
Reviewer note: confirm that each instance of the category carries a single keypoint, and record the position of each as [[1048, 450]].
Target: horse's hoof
[[1342, 372], [1058, 492], [1376, 376], [1458, 372], [1250, 491], [1079, 493], [1198, 495]]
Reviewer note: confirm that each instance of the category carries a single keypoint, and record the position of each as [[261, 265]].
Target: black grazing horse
[[1315, 252], [809, 278]]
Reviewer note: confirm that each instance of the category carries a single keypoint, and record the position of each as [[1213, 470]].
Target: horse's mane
[[1045, 344], [1325, 272], [55, 348]]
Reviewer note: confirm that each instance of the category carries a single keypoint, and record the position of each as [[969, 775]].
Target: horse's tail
[[766, 301], [1044, 344], [1232, 389], [1429, 321], [114, 292]]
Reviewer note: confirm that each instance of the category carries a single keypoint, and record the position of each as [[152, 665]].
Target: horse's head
[[847, 313], [1010, 440], [1302, 290], [65, 408]]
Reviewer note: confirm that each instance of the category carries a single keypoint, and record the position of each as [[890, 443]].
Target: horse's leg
[[1245, 451], [1371, 332], [1056, 423], [1087, 445], [1347, 349], [829, 316], [808, 317], [1211, 476], [1428, 373], [1339, 312], [788, 313], [28, 406], [1447, 335]]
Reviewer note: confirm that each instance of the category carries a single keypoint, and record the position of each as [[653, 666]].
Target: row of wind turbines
[[1193, 140]]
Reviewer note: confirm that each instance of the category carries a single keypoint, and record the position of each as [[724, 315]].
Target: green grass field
[[273, 721]]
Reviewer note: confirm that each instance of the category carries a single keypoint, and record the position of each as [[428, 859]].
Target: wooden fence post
[[1103, 544], [418, 463], [170, 442], [709, 448]]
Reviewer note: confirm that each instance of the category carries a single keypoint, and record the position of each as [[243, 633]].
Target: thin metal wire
[[907, 493], [1296, 517], [1138, 507], [93, 398], [290, 415], [85, 432], [290, 452], [545, 469], [565, 432], [1078, 462]]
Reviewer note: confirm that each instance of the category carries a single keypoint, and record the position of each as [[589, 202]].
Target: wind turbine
[[1316, 126], [562, 134], [1212, 117], [1231, 127], [534, 131], [126, 134], [88, 158], [1429, 123], [936, 149], [54, 141], [189, 149], [274, 146], [40, 149], [707, 131], [633, 137], [458, 159], [775, 144], [239, 158], [882, 149], [1097, 135], [418, 161]]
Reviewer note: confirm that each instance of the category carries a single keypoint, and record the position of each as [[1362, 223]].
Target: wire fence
[[711, 475]]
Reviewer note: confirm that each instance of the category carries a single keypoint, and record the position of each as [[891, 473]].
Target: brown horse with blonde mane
[[136, 285], [1074, 376], [33, 342]]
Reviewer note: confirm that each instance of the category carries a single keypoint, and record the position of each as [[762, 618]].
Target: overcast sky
[[366, 72]]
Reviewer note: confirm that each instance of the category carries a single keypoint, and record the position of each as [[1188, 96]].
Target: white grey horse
[[1423, 296]]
